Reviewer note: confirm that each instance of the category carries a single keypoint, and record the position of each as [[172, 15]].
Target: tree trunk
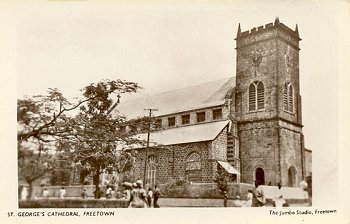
[[97, 184], [30, 194]]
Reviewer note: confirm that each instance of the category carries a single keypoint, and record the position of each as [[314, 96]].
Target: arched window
[[256, 96], [193, 167], [193, 161], [151, 170], [288, 98]]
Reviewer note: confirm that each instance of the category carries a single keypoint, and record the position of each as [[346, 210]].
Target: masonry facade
[[249, 124]]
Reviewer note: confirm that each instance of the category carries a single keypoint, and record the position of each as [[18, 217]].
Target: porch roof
[[230, 169]]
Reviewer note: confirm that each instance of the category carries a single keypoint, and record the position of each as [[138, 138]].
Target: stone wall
[[208, 190], [291, 153], [308, 162], [275, 147], [270, 138], [265, 73], [74, 203], [171, 161], [218, 149], [259, 149]]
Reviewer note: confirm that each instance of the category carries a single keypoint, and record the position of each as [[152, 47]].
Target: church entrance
[[292, 176], [260, 175]]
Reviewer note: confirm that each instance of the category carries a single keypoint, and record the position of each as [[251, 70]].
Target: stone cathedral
[[249, 124]]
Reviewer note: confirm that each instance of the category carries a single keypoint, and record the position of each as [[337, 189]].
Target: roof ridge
[[170, 91]]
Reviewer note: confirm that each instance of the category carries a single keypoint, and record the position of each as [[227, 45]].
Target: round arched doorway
[[260, 175], [292, 176]]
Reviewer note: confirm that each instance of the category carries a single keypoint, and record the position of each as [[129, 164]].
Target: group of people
[[61, 194], [256, 197], [139, 198]]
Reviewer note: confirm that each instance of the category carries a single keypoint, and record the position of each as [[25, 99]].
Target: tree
[[222, 179], [98, 141], [91, 135], [32, 166]]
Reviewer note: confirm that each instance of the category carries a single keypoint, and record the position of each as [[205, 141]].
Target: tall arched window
[[193, 167], [256, 96], [288, 97], [193, 161], [151, 170]]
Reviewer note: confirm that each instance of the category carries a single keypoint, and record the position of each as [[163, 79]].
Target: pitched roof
[[186, 134], [195, 97]]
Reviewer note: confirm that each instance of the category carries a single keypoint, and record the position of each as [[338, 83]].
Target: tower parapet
[[270, 30]]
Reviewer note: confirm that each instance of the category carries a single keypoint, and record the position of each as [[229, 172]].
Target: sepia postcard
[[196, 111]]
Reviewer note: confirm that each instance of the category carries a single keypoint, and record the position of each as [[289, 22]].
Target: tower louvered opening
[[252, 97], [260, 96], [285, 97], [288, 97], [291, 98], [256, 96]]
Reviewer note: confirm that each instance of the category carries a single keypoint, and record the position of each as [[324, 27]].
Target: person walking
[[237, 201], [225, 199], [24, 193], [46, 193], [138, 196], [278, 198], [304, 186], [62, 193], [249, 199], [84, 194], [156, 196], [108, 192], [258, 196], [149, 197]]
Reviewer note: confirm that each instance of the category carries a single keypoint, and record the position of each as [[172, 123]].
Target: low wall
[[205, 190], [209, 190], [205, 202], [194, 190], [74, 203], [72, 191], [291, 193]]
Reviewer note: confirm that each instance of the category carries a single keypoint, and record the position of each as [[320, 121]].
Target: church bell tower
[[268, 105]]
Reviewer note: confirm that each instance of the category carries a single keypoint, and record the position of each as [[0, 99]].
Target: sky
[[167, 46]]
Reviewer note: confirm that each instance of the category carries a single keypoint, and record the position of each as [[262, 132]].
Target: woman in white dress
[[249, 201], [278, 197]]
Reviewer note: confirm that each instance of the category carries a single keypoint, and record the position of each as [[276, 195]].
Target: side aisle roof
[[187, 134]]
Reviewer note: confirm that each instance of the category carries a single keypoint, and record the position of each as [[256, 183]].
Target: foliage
[[32, 166], [91, 137], [96, 136], [61, 170], [221, 179], [176, 188]]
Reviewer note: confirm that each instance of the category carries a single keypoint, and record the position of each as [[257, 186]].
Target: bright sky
[[167, 46]]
